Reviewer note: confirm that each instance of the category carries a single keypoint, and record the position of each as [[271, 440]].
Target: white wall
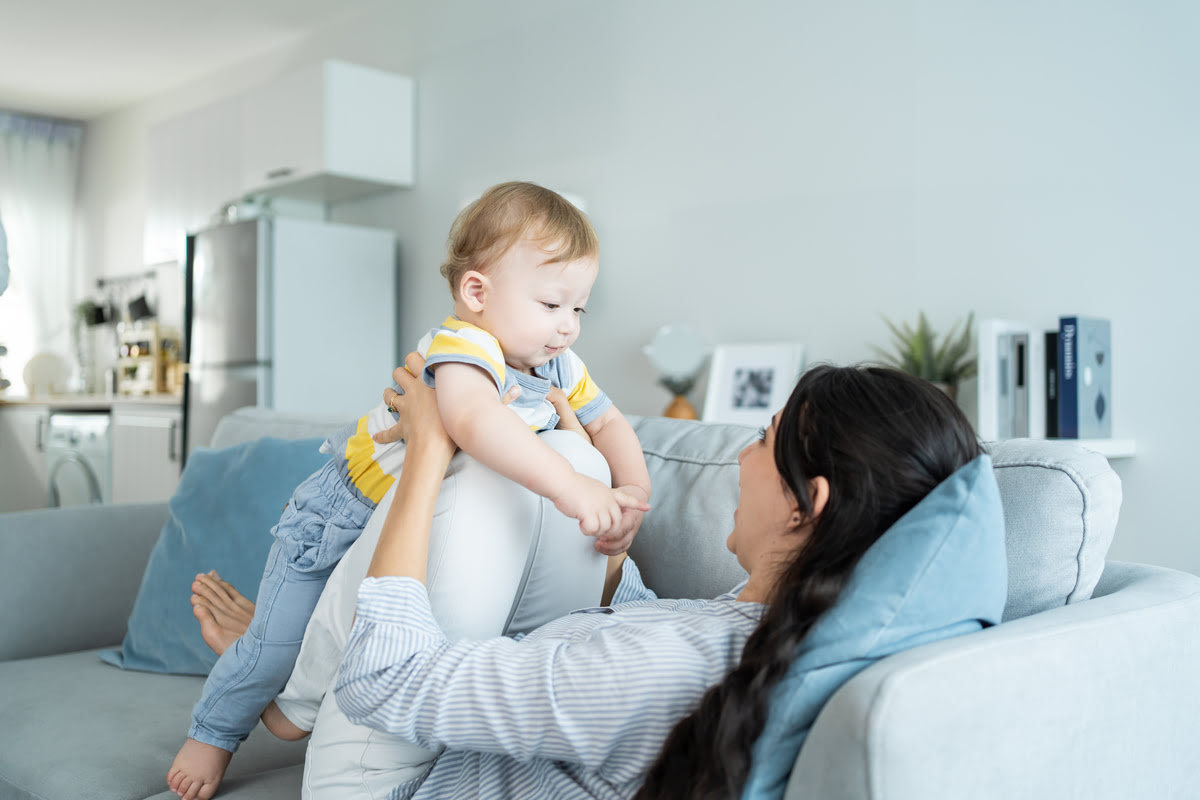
[[796, 169]]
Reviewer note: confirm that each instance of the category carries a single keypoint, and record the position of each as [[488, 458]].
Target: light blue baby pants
[[321, 521]]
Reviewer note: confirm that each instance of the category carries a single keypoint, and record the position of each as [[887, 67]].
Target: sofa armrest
[[1098, 699], [69, 576]]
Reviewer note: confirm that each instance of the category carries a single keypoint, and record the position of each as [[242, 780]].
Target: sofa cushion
[[1061, 503], [220, 518], [938, 572], [680, 548], [277, 784], [72, 727]]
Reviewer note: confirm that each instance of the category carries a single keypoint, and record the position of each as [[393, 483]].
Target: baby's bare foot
[[280, 725], [197, 770], [223, 612]]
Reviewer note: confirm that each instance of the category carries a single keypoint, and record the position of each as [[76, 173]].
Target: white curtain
[[39, 175]]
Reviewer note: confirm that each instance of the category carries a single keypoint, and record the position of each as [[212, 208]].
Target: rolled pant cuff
[[201, 734]]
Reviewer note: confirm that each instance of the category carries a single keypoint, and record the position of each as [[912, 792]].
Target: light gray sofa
[[1070, 697]]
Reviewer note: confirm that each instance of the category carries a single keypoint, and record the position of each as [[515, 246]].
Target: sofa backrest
[[249, 423], [680, 548], [1061, 503]]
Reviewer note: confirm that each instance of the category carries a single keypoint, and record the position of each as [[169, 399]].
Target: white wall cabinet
[[328, 132], [146, 453], [194, 167], [23, 431], [325, 133]]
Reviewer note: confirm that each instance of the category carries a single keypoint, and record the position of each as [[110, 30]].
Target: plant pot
[[681, 408], [950, 389]]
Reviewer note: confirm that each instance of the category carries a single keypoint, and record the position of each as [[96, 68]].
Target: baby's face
[[532, 307]]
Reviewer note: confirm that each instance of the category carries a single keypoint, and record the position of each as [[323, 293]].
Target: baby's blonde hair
[[507, 212]]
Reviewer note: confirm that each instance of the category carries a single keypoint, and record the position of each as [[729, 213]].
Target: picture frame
[[748, 383]]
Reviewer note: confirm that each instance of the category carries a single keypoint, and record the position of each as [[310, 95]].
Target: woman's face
[[768, 514]]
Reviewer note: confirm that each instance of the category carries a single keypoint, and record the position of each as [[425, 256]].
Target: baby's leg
[[329, 628], [245, 677]]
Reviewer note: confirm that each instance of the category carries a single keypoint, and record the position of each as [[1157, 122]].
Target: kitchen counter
[[92, 402]]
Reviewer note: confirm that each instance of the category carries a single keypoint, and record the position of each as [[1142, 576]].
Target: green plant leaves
[[916, 350]]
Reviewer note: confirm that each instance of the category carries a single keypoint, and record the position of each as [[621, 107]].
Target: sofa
[[1089, 688]]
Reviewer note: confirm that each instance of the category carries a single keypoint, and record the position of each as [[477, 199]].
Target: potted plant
[[919, 352]]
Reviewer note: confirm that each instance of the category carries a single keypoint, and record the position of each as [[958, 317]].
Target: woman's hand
[[419, 423], [567, 421], [421, 404]]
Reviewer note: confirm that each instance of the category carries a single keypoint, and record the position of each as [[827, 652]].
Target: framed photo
[[748, 383]]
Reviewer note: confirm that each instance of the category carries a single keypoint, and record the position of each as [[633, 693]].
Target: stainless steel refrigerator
[[291, 314]]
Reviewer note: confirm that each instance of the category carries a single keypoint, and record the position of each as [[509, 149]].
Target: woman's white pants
[[502, 561]]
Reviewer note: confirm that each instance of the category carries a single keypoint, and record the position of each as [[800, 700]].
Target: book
[[1051, 361], [988, 341], [1019, 373], [1084, 378], [1024, 357], [1004, 386]]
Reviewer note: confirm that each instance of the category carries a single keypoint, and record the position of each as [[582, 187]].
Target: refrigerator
[[290, 314]]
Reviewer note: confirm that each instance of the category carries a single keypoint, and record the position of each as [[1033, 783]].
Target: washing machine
[[79, 459]]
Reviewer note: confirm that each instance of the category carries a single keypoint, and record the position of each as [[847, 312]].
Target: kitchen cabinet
[[325, 133], [328, 132], [193, 168], [23, 457], [146, 452]]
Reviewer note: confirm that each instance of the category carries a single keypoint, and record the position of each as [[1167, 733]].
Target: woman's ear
[[818, 493], [472, 290]]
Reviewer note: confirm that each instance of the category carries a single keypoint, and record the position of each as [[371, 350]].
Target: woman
[[580, 707]]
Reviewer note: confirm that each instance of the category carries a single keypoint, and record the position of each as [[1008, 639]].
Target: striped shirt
[[368, 467], [579, 708]]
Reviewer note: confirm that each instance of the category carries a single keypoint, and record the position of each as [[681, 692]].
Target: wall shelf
[[1110, 448]]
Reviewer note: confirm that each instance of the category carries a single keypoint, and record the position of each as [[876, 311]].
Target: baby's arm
[[480, 424], [614, 437]]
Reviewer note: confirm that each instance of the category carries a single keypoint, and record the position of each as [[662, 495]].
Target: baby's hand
[[618, 540], [597, 506]]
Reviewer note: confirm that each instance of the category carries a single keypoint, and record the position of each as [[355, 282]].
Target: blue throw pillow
[[940, 571], [221, 517]]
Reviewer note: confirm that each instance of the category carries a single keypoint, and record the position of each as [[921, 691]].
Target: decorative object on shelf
[[678, 354], [748, 383], [1011, 394], [918, 352], [147, 359], [46, 374]]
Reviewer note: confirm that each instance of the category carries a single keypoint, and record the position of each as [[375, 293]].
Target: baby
[[521, 263]]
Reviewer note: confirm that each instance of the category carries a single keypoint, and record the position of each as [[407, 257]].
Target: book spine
[[1020, 385], [1051, 384], [1068, 379], [1005, 411], [1094, 368]]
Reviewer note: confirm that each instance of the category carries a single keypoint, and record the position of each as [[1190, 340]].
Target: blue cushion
[[940, 571], [220, 518]]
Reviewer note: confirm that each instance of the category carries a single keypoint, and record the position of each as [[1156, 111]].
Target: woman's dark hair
[[883, 439]]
